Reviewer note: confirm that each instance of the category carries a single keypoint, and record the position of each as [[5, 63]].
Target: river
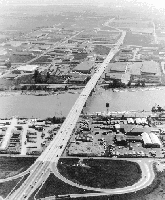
[[15, 104], [36, 106], [126, 99]]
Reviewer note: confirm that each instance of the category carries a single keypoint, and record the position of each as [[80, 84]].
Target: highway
[[147, 178], [56, 147], [48, 160]]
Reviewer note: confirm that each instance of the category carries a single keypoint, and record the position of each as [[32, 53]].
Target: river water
[[15, 104], [126, 99], [36, 106]]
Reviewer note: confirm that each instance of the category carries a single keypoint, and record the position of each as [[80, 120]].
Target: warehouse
[[136, 131], [150, 68], [155, 140], [118, 78], [84, 67], [120, 139], [133, 138], [27, 68], [119, 67], [135, 69], [147, 143]]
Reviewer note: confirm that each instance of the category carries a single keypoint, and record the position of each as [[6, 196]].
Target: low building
[[120, 137], [27, 68], [120, 78], [137, 131], [84, 67], [76, 78], [135, 69], [134, 138], [117, 67], [23, 53], [150, 68], [147, 143], [156, 143]]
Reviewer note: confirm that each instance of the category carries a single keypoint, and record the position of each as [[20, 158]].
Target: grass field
[[137, 39], [101, 173], [10, 166]]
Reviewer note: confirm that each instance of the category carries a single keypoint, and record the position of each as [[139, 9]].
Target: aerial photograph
[[82, 99]]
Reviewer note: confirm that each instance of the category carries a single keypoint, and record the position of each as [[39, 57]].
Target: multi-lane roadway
[[148, 176], [57, 146], [40, 170]]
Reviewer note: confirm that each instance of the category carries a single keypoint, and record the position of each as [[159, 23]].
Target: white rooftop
[[27, 67]]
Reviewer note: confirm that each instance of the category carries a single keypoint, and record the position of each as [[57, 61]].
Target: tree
[[47, 76], [8, 63], [36, 73]]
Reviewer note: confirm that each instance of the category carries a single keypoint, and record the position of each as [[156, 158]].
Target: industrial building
[[150, 140], [84, 67], [27, 68], [120, 78], [150, 68], [135, 69], [155, 140], [147, 143], [118, 67]]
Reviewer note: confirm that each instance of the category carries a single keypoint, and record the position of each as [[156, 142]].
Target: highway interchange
[[47, 162]]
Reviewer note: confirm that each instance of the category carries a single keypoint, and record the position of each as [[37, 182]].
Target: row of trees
[[38, 78]]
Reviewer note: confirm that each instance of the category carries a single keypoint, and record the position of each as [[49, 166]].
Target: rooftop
[[150, 67], [118, 66], [27, 67], [84, 66], [135, 68]]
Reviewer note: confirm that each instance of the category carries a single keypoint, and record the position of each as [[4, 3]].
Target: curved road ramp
[[62, 181], [36, 176]]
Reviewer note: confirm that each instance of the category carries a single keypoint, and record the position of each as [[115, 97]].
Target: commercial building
[[150, 68], [120, 138], [84, 67], [137, 138], [27, 68], [150, 140], [118, 67], [135, 69], [156, 143], [147, 143]]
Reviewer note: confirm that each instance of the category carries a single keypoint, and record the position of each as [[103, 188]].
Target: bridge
[[41, 169]]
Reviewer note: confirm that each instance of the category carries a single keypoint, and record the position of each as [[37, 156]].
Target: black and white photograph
[[82, 100]]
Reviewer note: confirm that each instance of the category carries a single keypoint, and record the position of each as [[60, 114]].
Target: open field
[[137, 39], [54, 187], [10, 166], [101, 173], [133, 25]]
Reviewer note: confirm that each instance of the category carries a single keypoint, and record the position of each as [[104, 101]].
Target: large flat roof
[[135, 68], [150, 67], [84, 66], [115, 75], [27, 67], [118, 66]]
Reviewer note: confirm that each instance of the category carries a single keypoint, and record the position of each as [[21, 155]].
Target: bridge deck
[[55, 149]]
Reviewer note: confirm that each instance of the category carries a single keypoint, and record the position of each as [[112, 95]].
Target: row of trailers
[[150, 140]]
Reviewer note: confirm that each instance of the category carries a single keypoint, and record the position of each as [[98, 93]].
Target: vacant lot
[[10, 166], [137, 39], [101, 173]]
